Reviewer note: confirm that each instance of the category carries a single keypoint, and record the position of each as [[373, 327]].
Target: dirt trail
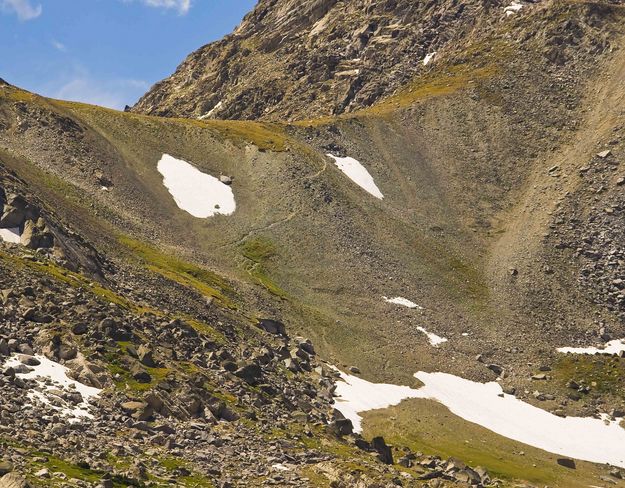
[[529, 220]]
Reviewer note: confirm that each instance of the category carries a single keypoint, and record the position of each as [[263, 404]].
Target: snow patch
[[596, 440], [402, 301], [211, 111], [589, 439], [434, 339], [428, 58], [52, 376], [358, 174], [612, 347], [355, 395], [197, 193], [513, 8], [11, 235]]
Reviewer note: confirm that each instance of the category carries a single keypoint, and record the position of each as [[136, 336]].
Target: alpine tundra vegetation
[[367, 243]]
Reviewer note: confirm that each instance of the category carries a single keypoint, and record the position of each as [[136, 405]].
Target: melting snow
[[612, 347], [52, 376], [211, 111], [10, 235], [485, 404], [358, 174], [402, 301], [589, 439], [428, 58], [355, 395], [434, 339], [199, 194], [513, 8]]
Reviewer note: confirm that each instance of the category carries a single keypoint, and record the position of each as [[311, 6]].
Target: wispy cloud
[[59, 46], [107, 93], [182, 6], [22, 8]]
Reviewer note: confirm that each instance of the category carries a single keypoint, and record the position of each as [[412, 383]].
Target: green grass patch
[[604, 374], [122, 378], [73, 279], [427, 426], [192, 480], [264, 135], [72, 471], [204, 329], [258, 251], [184, 273]]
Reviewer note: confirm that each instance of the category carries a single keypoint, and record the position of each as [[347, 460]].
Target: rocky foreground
[[105, 382]]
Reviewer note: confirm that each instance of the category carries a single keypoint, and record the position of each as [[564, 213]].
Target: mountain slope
[[296, 59], [498, 219]]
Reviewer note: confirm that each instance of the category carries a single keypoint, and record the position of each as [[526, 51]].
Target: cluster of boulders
[[591, 226], [230, 401], [18, 214]]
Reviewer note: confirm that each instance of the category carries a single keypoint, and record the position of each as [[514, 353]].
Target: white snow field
[[358, 174], [10, 235], [195, 192], [52, 376], [612, 347], [434, 339], [355, 395], [402, 301], [590, 439]]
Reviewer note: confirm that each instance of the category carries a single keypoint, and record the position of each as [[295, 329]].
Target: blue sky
[[106, 52]]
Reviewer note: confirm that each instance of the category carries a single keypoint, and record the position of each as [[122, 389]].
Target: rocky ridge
[[301, 59], [291, 60]]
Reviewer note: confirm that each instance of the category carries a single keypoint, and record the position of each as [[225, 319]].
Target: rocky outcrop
[[298, 59]]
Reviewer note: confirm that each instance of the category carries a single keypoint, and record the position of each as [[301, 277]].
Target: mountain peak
[[291, 59]]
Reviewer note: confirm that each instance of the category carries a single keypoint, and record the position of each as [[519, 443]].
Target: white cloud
[[59, 46], [110, 93], [182, 6], [22, 8]]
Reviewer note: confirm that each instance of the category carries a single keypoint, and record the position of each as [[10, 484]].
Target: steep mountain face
[[499, 164], [299, 59]]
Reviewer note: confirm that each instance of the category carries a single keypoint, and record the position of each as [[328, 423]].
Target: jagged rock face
[[296, 59]]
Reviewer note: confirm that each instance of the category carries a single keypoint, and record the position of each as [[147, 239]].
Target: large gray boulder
[[13, 480], [14, 213]]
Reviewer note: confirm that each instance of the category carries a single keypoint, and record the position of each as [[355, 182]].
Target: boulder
[[34, 235], [15, 212], [146, 356], [271, 326], [139, 374], [340, 425], [67, 352], [385, 455], [292, 365], [80, 328], [13, 480], [29, 360], [5, 467], [495, 368], [250, 373], [566, 462]]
